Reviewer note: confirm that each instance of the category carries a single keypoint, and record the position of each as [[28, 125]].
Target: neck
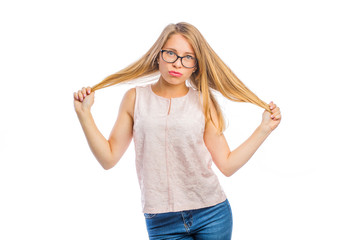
[[167, 90]]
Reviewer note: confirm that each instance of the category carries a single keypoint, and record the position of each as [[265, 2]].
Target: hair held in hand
[[211, 73]]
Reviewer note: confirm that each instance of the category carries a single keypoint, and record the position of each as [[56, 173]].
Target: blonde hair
[[211, 72]]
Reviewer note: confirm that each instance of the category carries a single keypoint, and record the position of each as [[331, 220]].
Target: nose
[[177, 63]]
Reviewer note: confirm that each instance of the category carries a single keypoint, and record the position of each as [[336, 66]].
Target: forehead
[[179, 43]]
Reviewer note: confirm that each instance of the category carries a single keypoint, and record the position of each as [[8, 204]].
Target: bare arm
[[107, 152], [228, 161]]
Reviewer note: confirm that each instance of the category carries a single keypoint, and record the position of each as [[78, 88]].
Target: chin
[[174, 80]]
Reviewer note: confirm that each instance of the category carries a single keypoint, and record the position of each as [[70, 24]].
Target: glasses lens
[[169, 56], [189, 61]]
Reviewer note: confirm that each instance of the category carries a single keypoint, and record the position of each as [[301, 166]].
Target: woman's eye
[[188, 57], [170, 53]]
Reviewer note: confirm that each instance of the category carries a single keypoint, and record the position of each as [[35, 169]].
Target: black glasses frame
[[177, 57]]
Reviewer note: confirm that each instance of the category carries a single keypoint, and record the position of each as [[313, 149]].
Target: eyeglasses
[[187, 61]]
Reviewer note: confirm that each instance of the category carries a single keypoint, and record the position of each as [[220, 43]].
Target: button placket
[[169, 107], [170, 197]]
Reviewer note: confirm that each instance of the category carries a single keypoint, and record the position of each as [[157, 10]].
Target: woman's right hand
[[83, 99]]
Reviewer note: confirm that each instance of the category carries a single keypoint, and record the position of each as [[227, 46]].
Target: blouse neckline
[[182, 97]]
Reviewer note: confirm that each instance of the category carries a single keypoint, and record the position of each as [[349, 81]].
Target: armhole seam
[[136, 103]]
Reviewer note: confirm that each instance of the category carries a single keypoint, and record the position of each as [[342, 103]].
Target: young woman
[[178, 133]]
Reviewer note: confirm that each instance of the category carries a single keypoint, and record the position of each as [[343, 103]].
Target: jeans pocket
[[150, 215]]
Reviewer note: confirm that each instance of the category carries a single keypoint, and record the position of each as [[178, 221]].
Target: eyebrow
[[176, 51]]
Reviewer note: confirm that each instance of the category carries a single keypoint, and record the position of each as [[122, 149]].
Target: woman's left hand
[[271, 121]]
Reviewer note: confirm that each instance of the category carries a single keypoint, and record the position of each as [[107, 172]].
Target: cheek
[[188, 73], [162, 67]]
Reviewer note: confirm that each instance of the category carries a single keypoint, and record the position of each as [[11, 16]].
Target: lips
[[175, 74]]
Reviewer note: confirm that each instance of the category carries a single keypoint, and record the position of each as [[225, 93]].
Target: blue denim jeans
[[208, 223]]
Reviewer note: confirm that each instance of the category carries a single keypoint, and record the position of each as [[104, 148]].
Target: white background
[[303, 182]]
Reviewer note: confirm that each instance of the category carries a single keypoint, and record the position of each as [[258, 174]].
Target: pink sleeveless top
[[172, 162]]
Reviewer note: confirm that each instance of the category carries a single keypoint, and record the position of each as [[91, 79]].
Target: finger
[[83, 90], [276, 116], [88, 90], [272, 105], [276, 110], [76, 96], [81, 96]]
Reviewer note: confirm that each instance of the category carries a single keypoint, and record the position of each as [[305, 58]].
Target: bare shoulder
[[128, 102]]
